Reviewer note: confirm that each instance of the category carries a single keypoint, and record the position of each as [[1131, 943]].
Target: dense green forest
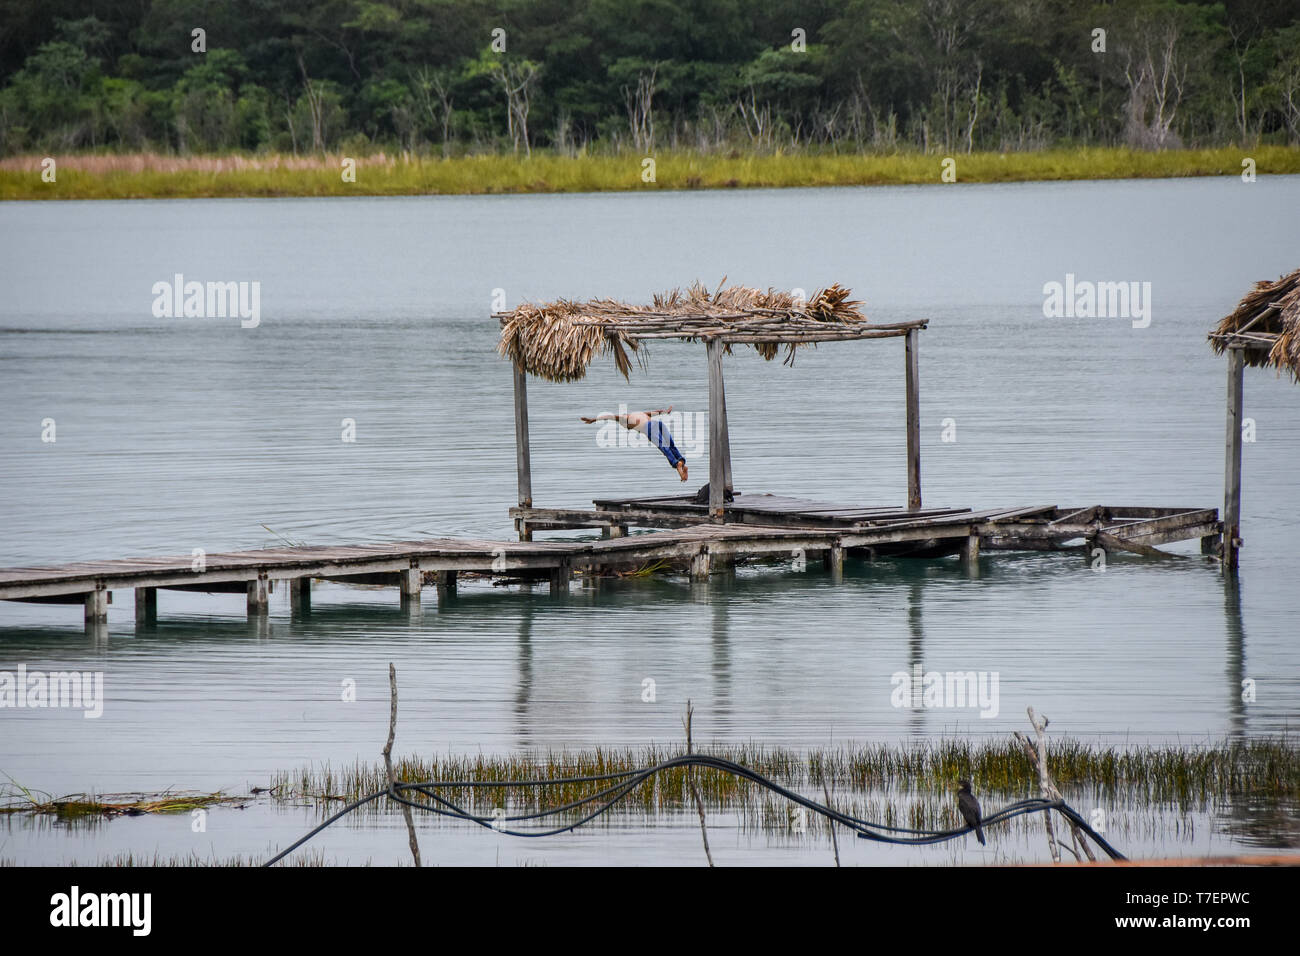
[[450, 77]]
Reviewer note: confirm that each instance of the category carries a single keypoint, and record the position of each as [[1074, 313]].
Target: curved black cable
[[624, 782]]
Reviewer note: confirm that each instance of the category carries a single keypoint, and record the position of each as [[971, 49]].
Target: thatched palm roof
[[558, 340], [1267, 323]]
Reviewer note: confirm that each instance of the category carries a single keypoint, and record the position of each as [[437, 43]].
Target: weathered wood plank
[[1141, 528]]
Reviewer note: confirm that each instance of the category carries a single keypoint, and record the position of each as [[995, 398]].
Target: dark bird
[[970, 809]]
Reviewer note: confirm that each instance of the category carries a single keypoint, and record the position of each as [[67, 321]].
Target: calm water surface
[[174, 434]]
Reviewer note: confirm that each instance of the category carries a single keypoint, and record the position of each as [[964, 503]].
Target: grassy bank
[[152, 176]]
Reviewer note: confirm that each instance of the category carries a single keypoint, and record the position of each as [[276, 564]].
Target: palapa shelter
[[559, 340], [1263, 331]]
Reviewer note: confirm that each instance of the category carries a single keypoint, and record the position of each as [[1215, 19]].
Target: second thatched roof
[[558, 340], [1267, 323]]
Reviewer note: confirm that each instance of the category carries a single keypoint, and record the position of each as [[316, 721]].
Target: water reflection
[[1236, 654]]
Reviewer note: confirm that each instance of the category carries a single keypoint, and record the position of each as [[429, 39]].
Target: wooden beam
[[913, 421], [717, 433], [788, 338], [1232, 462], [522, 461], [1110, 542]]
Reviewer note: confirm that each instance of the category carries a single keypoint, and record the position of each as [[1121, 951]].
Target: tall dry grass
[[151, 175]]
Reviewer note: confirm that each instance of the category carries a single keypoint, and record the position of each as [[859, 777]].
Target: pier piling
[[258, 596], [146, 607], [409, 582], [1232, 464], [96, 606], [300, 595]]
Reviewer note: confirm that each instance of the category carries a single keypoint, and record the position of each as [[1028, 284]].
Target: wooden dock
[[915, 532], [683, 536]]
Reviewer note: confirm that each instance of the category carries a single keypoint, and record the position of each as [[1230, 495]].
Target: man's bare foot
[[681, 469]]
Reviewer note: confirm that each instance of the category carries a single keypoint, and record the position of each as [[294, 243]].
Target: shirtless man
[[657, 432]]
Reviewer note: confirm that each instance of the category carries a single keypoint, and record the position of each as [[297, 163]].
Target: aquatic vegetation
[[308, 858], [17, 799], [1187, 778]]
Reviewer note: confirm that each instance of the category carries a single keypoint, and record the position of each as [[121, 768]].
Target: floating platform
[[682, 536]]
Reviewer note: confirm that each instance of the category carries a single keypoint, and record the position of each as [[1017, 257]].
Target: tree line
[[449, 77]]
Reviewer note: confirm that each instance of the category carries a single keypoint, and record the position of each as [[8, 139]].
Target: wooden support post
[[1232, 463], [560, 578], [835, 561], [700, 565], [258, 599], [614, 531], [299, 595], [726, 430], [1091, 544], [96, 606], [970, 551], [913, 421], [409, 583], [446, 584], [146, 607], [522, 461], [717, 433]]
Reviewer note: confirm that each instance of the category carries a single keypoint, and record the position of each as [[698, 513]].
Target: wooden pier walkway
[[684, 537]]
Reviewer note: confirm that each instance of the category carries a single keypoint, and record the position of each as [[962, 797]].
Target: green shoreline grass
[[152, 176]]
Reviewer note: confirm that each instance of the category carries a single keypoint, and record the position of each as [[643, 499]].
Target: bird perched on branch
[[970, 809]]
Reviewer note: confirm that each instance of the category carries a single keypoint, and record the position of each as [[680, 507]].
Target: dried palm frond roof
[[1267, 323], [558, 340]]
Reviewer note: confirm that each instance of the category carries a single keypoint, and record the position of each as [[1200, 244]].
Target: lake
[[182, 433]]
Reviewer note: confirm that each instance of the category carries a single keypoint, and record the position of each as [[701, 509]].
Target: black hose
[[625, 781]]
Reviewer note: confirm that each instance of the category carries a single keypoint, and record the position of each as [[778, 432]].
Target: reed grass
[[160, 176], [304, 858], [1184, 777], [17, 799]]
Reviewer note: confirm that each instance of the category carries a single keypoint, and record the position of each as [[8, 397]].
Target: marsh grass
[[1185, 778], [306, 858], [17, 799], [159, 176]]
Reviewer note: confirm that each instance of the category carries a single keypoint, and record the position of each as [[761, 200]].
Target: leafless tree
[[1155, 70], [1287, 77], [516, 78], [640, 110], [757, 119], [433, 88], [314, 103]]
